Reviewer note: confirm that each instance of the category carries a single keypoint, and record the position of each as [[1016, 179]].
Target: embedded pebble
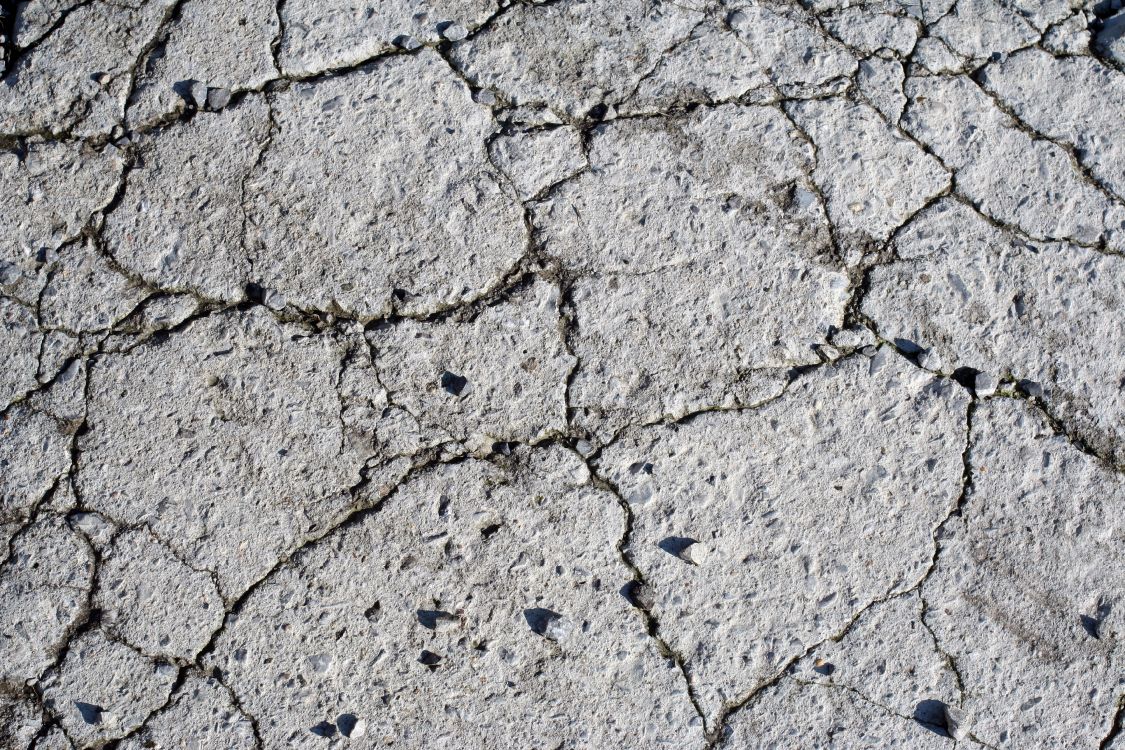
[[985, 385], [955, 723], [454, 32]]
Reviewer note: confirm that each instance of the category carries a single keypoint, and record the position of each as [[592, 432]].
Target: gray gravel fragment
[[1111, 39], [956, 723], [453, 32], [985, 385]]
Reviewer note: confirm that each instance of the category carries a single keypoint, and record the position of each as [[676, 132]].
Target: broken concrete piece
[[536, 160], [400, 222], [153, 601], [823, 717], [985, 299], [252, 412], [556, 542], [1028, 665], [226, 46], [797, 56], [773, 589], [53, 190], [51, 89], [1052, 95], [498, 376], [572, 57], [872, 176], [1009, 175], [103, 690], [712, 66], [329, 35], [44, 583], [199, 713], [633, 238], [180, 220], [890, 659]]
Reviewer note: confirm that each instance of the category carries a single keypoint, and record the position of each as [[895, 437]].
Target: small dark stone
[[931, 715], [255, 293], [429, 658], [452, 383], [966, 377], [544, 622], [676, 545], [908, 346], [598, 112], [346, 723], [504, 449]]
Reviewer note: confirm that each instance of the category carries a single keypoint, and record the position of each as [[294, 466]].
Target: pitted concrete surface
[[562, 374]]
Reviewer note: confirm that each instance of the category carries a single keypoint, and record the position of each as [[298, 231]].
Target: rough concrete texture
[[562, 374]]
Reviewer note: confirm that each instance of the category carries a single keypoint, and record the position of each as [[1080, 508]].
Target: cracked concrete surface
[[562, 374]]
